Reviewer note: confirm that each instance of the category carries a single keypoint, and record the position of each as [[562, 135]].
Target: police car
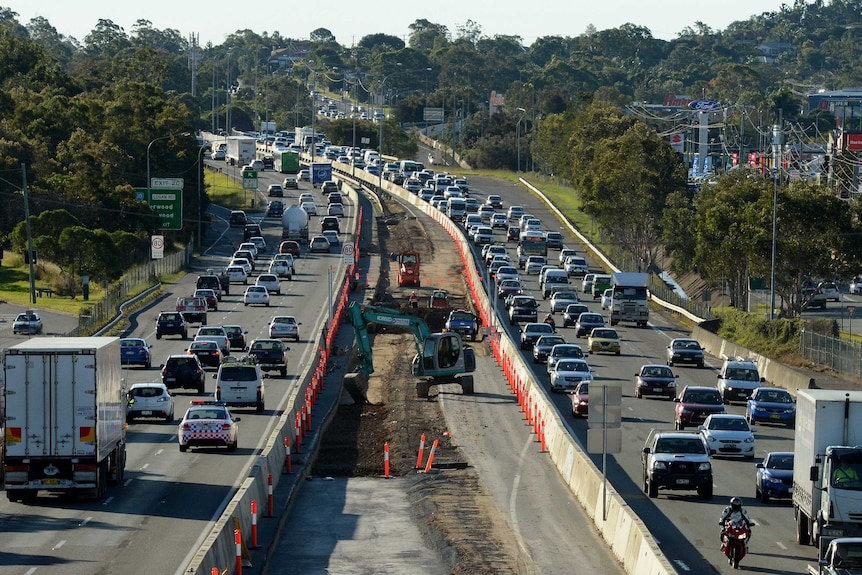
[[208, 424]]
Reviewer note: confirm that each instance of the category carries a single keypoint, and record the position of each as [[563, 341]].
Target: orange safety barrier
[[298, 427], [237, 539], [386, 460], [254, 524], [421, 450], [544, 446], [431, 456], [536, 417]]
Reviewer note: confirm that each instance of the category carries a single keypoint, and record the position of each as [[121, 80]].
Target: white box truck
[[65, 417], [241, 150], [631, 299], [827, 468]]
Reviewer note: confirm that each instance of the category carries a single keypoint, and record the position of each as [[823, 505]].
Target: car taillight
[[226, 426], [186, 427]]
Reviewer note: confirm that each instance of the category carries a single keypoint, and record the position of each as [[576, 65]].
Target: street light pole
[[518, 136], [200, 207]]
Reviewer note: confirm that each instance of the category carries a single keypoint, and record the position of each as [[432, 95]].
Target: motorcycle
[[549, 319], [735, 541]]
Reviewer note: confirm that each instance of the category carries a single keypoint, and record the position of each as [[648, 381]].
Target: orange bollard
[[237, 539], [308, 415], [253, 524], [536, 421], [431, 456], [214, 571], [544, 446], [421, 450], [269, 495], [288, 466], [298, 427], [386, 460]]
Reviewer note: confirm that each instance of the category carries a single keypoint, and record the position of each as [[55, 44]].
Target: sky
[[214, 20]]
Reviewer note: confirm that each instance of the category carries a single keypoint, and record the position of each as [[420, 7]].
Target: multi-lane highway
[[159, 516], [685, 526]]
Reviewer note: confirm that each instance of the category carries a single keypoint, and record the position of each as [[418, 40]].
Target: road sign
[[166, 183], [167, 203], [249, 180], [157, 247], [851, 309], [348, 254]]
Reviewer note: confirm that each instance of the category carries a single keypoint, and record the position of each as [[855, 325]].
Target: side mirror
[[237, 419]]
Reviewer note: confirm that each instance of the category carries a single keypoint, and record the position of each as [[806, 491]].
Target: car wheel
[[259, 407], [245, 304], [283, 372], [185, 335], [764, 497], [705, 491], [678, 425], [638, 394], [669, 363], [233, 446], [201, 389], [183, 448], [158, 335], [651, 489], [700, 365], [148, 365]]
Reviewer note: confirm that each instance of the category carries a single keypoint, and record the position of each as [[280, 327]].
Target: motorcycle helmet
[[735, 503]]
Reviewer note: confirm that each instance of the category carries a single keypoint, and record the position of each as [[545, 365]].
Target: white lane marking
[[682, 565], [85, 521], [107, 501], [58, 545]]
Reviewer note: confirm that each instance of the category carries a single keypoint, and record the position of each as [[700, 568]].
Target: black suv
[[523, 308], [237, 218], [217, 283], [250, 231], [171, 323], [329, 223], [184, 371], [270, 355], [236, 336]]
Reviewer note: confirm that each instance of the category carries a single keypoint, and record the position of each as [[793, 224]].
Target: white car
[[250, 247], [332, 237], [499, 221], [258, 295], [856, 284], [561, 299], [288, 259], [568, 373], [259, 242], [309, 207], [587, 283], [149, 400], [607, 298], [534, 264], [728, 434], [284, 326], [243, 263], [830, 290], [566, 252], [270, 282], [281, 268], [576, 266], [506, 272], [237, 274], [306, 197]]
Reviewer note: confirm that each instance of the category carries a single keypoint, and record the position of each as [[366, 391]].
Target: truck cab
[[842, 556]]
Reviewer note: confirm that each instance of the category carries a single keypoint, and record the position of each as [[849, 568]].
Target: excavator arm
[[360, 316]]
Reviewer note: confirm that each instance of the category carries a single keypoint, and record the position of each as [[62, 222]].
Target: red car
[[289, 247], [581, 400], [695, 404], [210, 296], [513, 234]]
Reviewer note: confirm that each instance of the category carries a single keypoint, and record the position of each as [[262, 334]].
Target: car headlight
[[671, 385], [705, 466], [659, 466], [749, 439]]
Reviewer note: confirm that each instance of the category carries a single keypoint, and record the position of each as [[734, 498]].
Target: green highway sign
[[167, 203], [249, 180]]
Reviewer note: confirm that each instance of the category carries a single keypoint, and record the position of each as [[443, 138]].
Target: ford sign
[[704, 105]]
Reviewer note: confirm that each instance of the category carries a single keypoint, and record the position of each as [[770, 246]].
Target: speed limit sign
[[347, 253], [157, 247]]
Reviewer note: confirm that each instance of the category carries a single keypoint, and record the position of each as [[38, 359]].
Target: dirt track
[[456, 516]]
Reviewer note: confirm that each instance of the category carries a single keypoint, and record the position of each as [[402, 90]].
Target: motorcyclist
[[549, 319], [734, 512]]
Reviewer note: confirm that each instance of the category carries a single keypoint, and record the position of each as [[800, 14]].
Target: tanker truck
[[294, 224]]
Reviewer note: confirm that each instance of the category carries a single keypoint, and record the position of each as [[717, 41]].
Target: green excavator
[[440, 357]]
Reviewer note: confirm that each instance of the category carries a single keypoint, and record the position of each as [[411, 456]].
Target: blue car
[[771, 404], [774, 478], [134, 351]]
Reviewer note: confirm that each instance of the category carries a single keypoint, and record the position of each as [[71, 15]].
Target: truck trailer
[[827, 501], [240, 150], [286, 162], [630, 300], [65, 417]]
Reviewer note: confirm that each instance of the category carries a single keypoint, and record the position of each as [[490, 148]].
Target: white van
[[457, 209], [240, 385]]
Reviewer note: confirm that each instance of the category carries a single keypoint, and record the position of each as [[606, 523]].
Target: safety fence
[[841, 355], [135, 280]]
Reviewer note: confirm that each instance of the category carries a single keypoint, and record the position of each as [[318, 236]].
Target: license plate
[[147, 412], [170, 379], [129, 352], [50, 482], [682, 481], [657, 390], [774, 416]]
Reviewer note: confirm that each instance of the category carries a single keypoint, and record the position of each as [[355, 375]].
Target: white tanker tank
[[294, 223]]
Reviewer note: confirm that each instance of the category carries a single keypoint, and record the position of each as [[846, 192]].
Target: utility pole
[[29, 235]]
